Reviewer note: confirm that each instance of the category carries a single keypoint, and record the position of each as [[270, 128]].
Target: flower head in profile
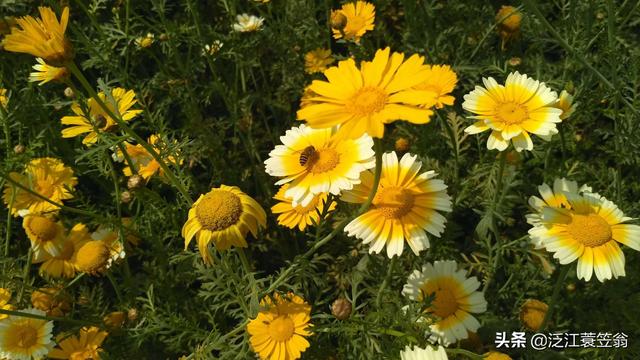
[[404, 209], [4, 100], [5, 296], [41, 37], [586, 227], [508, 20], [428, 353], [48, 177], [317, 60], [512, 111], [279, 330], [61, 265], [441, 81], [44, 73], [45, 234], [361, 100], [223, 216], [145, 164], [25, 338], [146, 41], [84, 346], [300, 216], [315, 161], [248, 23], [566, 104], [98, 120], [98, 253], [454, 298], [359, 19]]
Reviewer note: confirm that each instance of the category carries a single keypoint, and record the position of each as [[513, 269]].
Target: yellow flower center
[[394, 202], [591, 230], [44, 229], [26, 336], [444, 304], [322, 160], [92, 256], [218, 210], [281, 328], [512, 113], [367, 101]]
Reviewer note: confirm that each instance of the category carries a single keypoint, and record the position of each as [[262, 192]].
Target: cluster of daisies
[[334, 156]]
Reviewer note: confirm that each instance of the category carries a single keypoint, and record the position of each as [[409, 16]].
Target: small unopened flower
[[532, 314], [248, 23], [44, 73], [68, 93], [515, 61], [402, 145], [566, 104], [19, 149], [341, 308], [114, 320], [145, 41], [508, 19]]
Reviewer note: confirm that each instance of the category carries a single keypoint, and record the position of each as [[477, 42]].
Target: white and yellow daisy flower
[[512, 111], [44, 73], [587, 228], [248, 23], [428, 353], [454, 299], [566, 104], [315, 161], [23, 338], [405, 207]]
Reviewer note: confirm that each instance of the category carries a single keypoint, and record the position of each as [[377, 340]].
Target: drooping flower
[[223, 216], [363, 100], [508, 21], [51, 300], [84, 346], [532, 313], [61, 266], [49, 178], [317, 60], [360, 16], [279, 330], [404, 208], [315, 161], [5, 296], [454, 299], [46, 235], [99, 119], [585, 227], [300, 216], [428, 353], [44, 73], [512, 111], [565, 103], [441, 81], [144, 162], [43, 37], [248, 23], [23, 338]]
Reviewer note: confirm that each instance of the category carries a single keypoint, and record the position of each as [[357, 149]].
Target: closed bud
[[402, 145], [132, 314], [68, 92], [515, 61], [338, 20], [126, 197], [571, 287], [163, 37], [135, 181], [532, 314], [341, 308], [114, 320], [19, 149]]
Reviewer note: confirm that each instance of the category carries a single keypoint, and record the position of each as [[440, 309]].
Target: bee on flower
[[248, 23], [353, 20]]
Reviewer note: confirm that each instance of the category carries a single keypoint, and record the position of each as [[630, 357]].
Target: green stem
[[123, 125], [7, 130], [7, 240], [252, 280], [115, 287], [364, 207], [386, 280], [25, 275], [554, 296], [494, 226], [50, 318]]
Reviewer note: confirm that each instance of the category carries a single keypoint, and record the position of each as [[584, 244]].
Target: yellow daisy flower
[[61, 266], [45, 73], [146, 164], [300, 216], [25, 338], [223, 216], [513, 110], [146, 41], [98, 118], [96, 255], [4, 100], [43, 38], [588, 229], [51, 300], [5, 296], [279, 330], [454, 299], [428, 353], [314, 161], [441, 80], [532, 314], [85, 346], [248, 23], [46, 235], [565, 103], [360, 16], [363, 100], [48, 177], [405, 207], [317, 60]]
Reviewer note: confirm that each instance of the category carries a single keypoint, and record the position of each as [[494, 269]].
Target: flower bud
[[402, 145], [114, 320], [68, 92], [132, 314], [341, 308], [532, 314], [19, 149], [135, 181], [126, 197]]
